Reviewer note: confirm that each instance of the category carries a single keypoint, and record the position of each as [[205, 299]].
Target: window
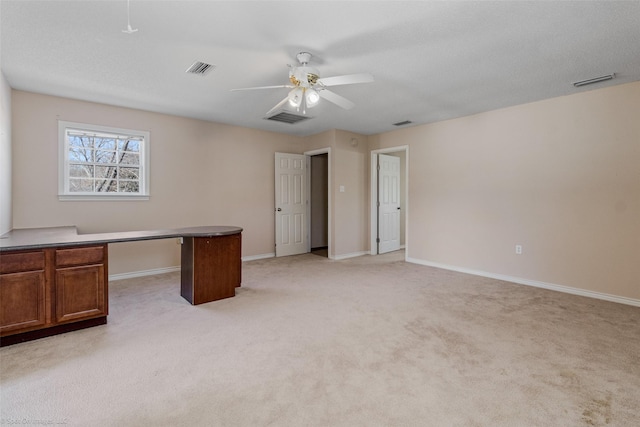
[[98, 163]]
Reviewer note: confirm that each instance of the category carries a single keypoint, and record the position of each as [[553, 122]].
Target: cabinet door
[[23, 301], [211, 268], [80, 293]]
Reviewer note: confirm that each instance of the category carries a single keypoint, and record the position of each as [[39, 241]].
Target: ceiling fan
[[307, 87]]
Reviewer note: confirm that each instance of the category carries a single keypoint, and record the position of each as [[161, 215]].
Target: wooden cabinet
[[49, 288], [211, 268], [23, 292], [53, 281], [81, 283]]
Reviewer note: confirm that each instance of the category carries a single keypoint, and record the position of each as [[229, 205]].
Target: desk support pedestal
[[211, 268]]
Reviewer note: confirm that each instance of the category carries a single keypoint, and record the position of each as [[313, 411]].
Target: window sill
[[101, 198]]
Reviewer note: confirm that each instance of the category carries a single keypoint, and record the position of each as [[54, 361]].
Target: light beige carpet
[[370, 341]]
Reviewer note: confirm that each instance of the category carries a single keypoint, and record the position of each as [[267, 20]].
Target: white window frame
[[63, 163]]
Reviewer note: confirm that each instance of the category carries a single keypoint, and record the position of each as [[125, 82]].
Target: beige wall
[[5, 156], [202, 173], [560, 177], [350, 169]]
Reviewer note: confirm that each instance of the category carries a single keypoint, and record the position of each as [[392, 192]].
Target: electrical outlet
[[519, 249]]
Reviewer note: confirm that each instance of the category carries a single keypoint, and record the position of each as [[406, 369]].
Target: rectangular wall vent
[[200, 68], [406, 122], [287, 117]]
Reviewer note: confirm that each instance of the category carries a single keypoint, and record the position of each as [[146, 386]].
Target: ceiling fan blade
[[262, 87], [277, 106], [336, 99], [346, 79]]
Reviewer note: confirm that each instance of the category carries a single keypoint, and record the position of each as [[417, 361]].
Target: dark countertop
[[38, 238]]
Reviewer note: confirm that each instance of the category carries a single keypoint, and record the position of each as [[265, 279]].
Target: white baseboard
[[351, 255], [529, 282], [260, 256], [142, 273]]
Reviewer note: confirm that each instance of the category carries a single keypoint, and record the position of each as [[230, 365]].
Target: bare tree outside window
[[103, 162]]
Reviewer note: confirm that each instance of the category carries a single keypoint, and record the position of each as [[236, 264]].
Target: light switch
[[342, 188]]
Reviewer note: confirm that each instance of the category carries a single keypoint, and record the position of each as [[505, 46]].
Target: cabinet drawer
[[23, 261], [80, 256]]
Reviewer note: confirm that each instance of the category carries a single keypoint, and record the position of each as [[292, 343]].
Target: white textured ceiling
[[431, 60]]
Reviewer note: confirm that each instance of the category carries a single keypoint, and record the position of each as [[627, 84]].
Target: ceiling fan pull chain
[[129, 30]]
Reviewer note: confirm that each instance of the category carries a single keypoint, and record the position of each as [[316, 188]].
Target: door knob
[[398, 208], [279, 209]]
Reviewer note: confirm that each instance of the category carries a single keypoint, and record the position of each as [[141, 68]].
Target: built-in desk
[[54, 280]]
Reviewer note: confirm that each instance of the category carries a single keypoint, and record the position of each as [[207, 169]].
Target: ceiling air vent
[[286, 117], [200, 68], [406, 122], [594, 80]]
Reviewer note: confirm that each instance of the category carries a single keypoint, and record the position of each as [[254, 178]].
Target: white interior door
[[388, 203], [291, 204]]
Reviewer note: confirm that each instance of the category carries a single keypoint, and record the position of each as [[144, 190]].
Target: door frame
[[373, 185], [327, 151]]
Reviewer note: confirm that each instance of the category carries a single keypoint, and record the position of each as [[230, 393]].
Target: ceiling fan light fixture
[[312, 97], [295, 97], [306, 87]]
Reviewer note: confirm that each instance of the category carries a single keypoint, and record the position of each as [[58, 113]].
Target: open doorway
[[319, 204], [319, 171], [384, 237]]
